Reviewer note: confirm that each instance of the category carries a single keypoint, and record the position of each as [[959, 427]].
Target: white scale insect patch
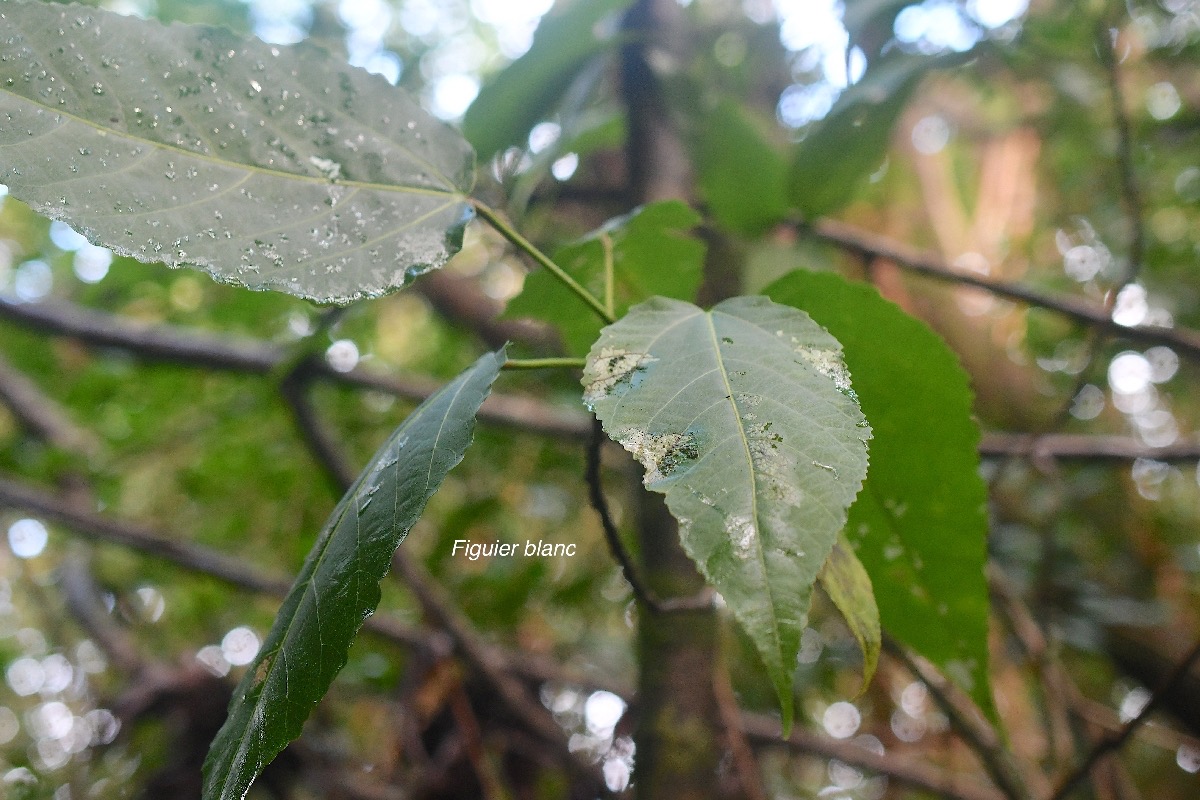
[[609, 369], [660, 454]]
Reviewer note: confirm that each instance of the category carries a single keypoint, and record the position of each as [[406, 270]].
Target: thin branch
[[41, 415], [462, 302], [745, 765], [1079, 447], [866, 243], [612, 536], [764, 731], [83, 602], [967, 721], [1115, 742], [1131, 194], [490, 664], [93, 526], [202, 350], [521, 412], [294, 390]]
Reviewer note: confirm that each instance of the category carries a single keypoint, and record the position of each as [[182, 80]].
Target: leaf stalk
[[490, 216]]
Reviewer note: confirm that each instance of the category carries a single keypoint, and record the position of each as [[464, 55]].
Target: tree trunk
[[678, 733]]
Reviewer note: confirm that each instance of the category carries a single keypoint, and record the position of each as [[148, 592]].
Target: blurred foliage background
[[1050, 145]]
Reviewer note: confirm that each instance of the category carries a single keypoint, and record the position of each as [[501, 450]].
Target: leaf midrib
[[103, 130], [758, 550]]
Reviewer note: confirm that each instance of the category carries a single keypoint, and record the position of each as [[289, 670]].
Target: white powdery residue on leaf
[[660, 454], [775, 469], [828, 363], [742, 534], [612, 367]]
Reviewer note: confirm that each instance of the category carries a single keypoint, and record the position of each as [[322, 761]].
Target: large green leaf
[[526, 91], [731, 149], [339, 585], [920, 524], [743, 416], [650, 252], [850, 143], [270, 167]]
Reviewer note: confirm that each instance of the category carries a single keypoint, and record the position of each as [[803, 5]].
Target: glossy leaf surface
[[269, 167], [920, 524], [743, 416], [338, 587]]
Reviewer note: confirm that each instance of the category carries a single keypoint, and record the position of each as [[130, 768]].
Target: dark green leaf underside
[[919, 525], [268, 167], [339, 585], [744, 418]]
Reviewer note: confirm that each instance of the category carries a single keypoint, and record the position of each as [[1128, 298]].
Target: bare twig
[[764, 731], [329, 457], [611, 534], [202, 350], [461, 301], [521, 412], [85, 605], [1131, 194], [644, 593], [1115, 742], [490, 664], [1076, 447], [855, 240], [93, 526], [41, 415], [735, 735], [967, 721]]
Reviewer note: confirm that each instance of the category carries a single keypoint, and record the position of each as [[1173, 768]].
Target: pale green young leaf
[[849, 587], [743, 416], [269, 167], [919, 526], [338, 587]]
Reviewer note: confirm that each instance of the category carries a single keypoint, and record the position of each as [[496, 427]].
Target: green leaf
[[651, 253], [849, 587], [870, 23], [732, 150], [841, 150], [526, 91], [744, 418], [268, 167], [920, 523], [339, 585]]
